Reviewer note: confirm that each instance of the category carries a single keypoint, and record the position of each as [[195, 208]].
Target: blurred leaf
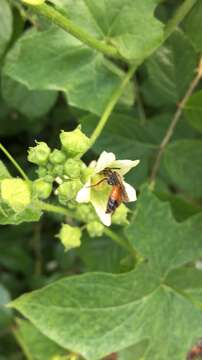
[[193, 111], [5, 313], [182, 160], [192, 26], [88, 78], [35, 345], [5, 25], [4, 173], [130, 25], [101, 254], [107, 313], [181, 209], [30, 103], [169, 73]]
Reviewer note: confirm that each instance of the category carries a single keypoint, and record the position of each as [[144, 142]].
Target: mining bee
[[118, 193], [195, 352]]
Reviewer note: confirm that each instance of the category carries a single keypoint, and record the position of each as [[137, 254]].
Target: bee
[[118, 193], [196, 351]]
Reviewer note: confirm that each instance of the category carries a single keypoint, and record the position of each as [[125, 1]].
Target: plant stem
[[17, 166], [180, 14], [56, 209], [174, 122], [111, 104], [60, 210], [73, 29]]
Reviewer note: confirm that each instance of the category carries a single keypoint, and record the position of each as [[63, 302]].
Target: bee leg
[[99, 182]]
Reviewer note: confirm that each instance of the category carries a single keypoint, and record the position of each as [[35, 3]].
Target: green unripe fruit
[[74, 142], [41, 171], [39, 154], [95, 228], [58, 170], [57, 157], [42, 188], [16, 193], [68, 190], [70, 236], [72, 168]]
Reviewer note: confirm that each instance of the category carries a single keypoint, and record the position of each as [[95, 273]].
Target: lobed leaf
[[97, 314]]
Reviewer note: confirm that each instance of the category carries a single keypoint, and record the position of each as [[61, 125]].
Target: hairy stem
[[69, 26], [174, 122], [12, 160], [111, 104]]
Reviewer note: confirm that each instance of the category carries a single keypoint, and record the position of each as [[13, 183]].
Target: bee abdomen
[[111, 206]]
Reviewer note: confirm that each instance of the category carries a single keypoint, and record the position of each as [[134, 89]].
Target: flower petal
[[124, 165], [104, 161], [131, 192], [83, 196], [101, 212]]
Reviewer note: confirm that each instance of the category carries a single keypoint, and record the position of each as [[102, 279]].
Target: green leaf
[[4, 173], [30, 214], [192, 26], [5, 25], [182, 160], [30, 103], [168, 72], [5, 313], [130, 25], [193, 111], [35, 345], [106, 313], [88, 78]]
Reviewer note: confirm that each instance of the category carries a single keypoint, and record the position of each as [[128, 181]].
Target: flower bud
[[70, 236], [57, 170], [68, 190], [95, 228], [16, 193], [42, 188], [86, 173], [41, 171], [74, 142], [85, 212], [120, 215], [39, 154], [57, 157], [72, 168]]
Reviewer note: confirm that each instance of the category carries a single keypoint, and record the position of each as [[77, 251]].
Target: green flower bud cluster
[[85, 213], [67, 190], [70, 236], [62, 166]]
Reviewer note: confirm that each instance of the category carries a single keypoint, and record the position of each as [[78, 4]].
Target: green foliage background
[[135, 61]]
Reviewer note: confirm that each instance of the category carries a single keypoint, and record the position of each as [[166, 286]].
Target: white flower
[[99, 194]]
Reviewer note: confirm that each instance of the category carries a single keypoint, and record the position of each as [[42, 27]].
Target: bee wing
[[123, 191]]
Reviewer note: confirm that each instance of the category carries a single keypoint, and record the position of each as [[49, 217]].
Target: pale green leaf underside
[[34, 345], [96, 314], [129, 25], [54, 60]]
